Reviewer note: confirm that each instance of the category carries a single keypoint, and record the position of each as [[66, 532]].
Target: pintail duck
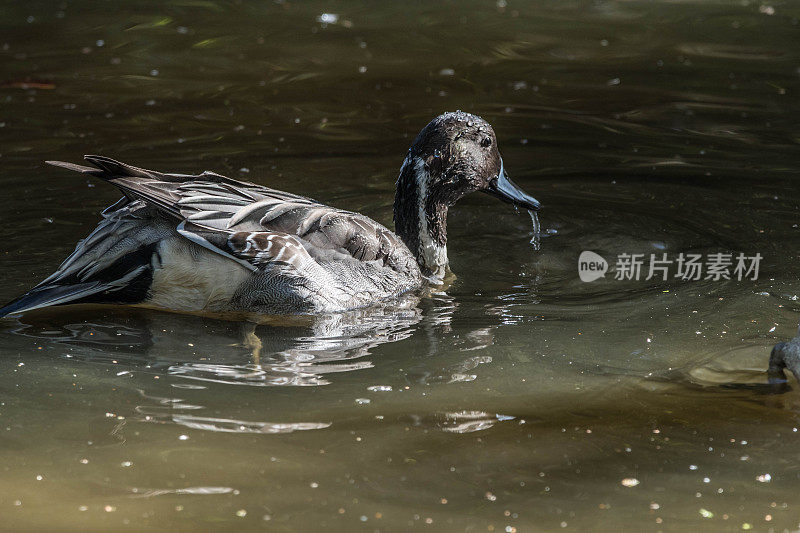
[[208, 243]]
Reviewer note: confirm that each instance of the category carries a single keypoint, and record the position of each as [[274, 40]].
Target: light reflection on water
[[275, 351], [519, 398]]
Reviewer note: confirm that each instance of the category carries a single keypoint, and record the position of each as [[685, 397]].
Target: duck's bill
[[502, 187]]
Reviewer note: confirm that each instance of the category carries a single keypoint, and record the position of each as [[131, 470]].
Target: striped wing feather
[[219, 213]]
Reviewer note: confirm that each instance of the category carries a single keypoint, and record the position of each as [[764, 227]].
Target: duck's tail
[[100, 270], [90, 292], [114, 264]]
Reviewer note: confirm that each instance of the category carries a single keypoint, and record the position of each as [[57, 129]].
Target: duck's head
[[454, 155]]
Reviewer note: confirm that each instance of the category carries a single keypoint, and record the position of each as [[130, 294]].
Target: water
[[518, 398], [536, 240]]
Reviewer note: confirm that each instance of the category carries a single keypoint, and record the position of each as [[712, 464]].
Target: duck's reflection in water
[[259, 351], [305, 354], [201, 352]]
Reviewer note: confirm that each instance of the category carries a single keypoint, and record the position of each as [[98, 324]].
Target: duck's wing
[[218, 213]]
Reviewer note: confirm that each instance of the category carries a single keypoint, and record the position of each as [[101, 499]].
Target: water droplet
[[536, 240]]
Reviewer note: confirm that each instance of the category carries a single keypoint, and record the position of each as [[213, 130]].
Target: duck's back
[[207, 242]]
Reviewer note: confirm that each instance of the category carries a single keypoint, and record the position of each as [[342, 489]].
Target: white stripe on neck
[[433, 254]]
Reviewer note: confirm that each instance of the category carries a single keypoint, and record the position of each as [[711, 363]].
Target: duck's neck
[[420, 220]]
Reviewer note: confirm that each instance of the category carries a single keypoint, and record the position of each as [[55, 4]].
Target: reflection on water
[[521, 398], [277, 351], [149, 493], [273, 351]]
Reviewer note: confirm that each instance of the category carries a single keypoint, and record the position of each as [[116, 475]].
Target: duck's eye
[[486, 142]]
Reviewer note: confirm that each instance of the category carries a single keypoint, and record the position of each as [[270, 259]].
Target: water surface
[[520, 398]]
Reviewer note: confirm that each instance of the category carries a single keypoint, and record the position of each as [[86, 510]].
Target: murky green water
[[520, 399]]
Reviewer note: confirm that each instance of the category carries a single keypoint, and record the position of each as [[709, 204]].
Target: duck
[[209, 243]]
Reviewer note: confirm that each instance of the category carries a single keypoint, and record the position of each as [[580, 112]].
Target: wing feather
[[210, 208]]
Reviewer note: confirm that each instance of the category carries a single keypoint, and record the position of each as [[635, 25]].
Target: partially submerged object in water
[[784, 356]]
